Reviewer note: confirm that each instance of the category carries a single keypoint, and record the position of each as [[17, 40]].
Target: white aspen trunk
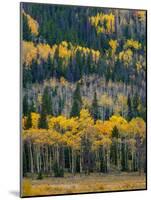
[[125, 152], [50, 160], [132, 160], [54, 154], [98, 159], [108, 159], [57, 151], [63, 157], [37, 158], [119, 156], [72, 161], [40, 158], [47, 158], [43, 159], [80, 161]]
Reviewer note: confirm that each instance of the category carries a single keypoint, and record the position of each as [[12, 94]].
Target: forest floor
[[83, 184]]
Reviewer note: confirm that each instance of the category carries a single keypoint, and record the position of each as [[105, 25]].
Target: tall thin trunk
[[37, 158], [50, 160], [80, 161], [73, 160], [57, 154], [47, 159], [70, 159], [108, 159]]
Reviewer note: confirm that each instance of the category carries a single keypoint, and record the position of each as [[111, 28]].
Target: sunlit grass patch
[[82, 184]]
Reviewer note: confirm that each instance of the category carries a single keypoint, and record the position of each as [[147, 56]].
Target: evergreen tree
[[49, 67], [115, 132], [43, 120], [46, 109], [77, 102], [25, 105], [135, 105], [107, 114], [47, 102], [32, 106], [94, 108], [28, 122], [27, 77]]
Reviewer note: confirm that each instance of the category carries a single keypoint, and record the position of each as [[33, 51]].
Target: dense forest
[[84, 90]]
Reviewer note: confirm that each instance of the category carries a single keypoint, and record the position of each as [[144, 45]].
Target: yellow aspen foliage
[[24, 120], [126, 56], [63, 81], [35, 119], [86, 102], [132, 144], [64, 52], [85, 119], [103, 23], [138, 126], [72, 125], [29, 53], [64, 44], [57, 123], [113, 44], [89, 132], [44, 51], [105, 100], [104, 127], [132, 44], [139, 66], [86, 51], [72, 141], [39, 98], [117, 120], [120, 123], [33, 24], [124, 129], [120, 104], [122, 99], [63, 125], [103, 134], [31, 134], [140, 63], [95, 55], [141, 15], [42, 136], [55, 138], [106, 142], [69, 132], [53, 82], [96, 144]]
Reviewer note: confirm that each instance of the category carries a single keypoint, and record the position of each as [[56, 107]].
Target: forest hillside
[[84, 90]]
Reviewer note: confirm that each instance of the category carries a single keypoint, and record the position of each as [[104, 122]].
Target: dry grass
[[83, 184]]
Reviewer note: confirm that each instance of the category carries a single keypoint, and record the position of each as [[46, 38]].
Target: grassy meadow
[[83, 184]]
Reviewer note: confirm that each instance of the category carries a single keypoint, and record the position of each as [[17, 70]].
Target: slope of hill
[[84, 91]]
